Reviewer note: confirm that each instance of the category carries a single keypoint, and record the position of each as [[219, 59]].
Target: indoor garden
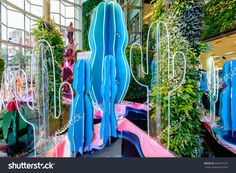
[[95, 78]]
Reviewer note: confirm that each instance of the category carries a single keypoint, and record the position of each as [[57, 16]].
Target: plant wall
[[185, 134], [88, 7], [220, 16]]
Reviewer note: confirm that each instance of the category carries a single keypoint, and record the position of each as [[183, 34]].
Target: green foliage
[[189, 15], [88, 7], [2, 67], [220, 16], [159, 8], [185, 134], [136, 92], [49, 32]]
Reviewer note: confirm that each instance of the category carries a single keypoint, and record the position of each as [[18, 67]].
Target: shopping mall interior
[[117, 78]]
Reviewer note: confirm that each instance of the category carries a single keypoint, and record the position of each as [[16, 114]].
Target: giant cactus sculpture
[[110, 74], [227, 98]]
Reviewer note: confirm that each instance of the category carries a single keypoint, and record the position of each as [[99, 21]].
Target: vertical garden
[[184, 21]]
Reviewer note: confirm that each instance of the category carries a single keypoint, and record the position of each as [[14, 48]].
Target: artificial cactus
[[143, 74], [227, 100], [173, 77], [110, 74], [81, 126]]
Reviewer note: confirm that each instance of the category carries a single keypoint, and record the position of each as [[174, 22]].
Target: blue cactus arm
[[92, 43], [98, 52], [225, 99], [79, 109], [113, 96], [71, 130], [122, 67], [233, 101], [109, 29], [106, 91], [81, 129], [88, 108]]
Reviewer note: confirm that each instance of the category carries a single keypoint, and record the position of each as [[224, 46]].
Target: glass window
[[4, 32], [56, 18], [18, 3], [36, 10], [27, 6], [63, 10], [15, 36], [70, 12], [63, 21], [15, 19], [37, 2], [16, 24], [4, 51], [55, 6], [4, 14], [27, 24]]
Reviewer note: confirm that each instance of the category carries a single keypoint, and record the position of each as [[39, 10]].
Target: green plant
[[49, 32], [2, 67], [189, 17], [185, 133], [88, 7], [136, 92], [220, 16]]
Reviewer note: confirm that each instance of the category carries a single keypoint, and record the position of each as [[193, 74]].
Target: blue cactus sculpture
[[110, 73], [228, 95], [81, 127]]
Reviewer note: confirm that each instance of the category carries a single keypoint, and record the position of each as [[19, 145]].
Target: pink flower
[[11, 106]]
